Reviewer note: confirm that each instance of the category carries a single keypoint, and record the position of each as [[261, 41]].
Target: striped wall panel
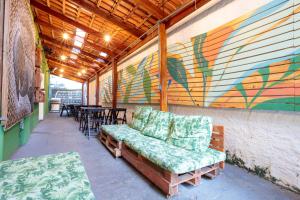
[[139, 83], [105, 87], [251, 62]]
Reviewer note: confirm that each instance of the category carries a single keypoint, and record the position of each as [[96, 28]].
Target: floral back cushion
[[158, 125], [192, 133], [140, 117]]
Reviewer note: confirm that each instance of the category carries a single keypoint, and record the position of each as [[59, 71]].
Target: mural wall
[[105, 87], [19, 62], [251, 62]]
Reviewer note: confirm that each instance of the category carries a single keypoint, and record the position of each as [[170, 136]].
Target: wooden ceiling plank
[[67, 71], [65, 64], [66, 50], [70, 77], [151, 8], [111, 18], [62, 17], [52, 40], [96, 47], [170, 22]]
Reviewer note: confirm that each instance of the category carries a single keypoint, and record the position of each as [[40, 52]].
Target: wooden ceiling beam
[[90, 44], [68, 51], [40, 6], [185, 12], [74, 66], [111, 18], [66, 71], [54, 41], [68, 65], [169, 23], [69, 76], [150, 8]]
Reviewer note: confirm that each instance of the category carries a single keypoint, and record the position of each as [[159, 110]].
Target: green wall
[[13, 138]]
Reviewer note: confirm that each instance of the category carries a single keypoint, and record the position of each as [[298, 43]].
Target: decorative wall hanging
[[252, 62], [19, 61]]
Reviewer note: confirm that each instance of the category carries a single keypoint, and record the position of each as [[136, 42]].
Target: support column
[[163, 67], [87, 92], [97, 88], [82, 93], [114, 83]]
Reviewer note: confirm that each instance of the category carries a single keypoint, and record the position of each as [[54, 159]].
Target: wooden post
[[87, 91], [114, 83], [97, 88], [163, 67], [82, 93]]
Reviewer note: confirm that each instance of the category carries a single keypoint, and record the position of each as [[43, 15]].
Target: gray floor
[[115, 179]]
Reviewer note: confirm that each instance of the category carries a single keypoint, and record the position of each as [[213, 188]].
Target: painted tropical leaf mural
[[251, 62]]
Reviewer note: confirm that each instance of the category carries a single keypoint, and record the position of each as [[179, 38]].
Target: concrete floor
[[114, 179]]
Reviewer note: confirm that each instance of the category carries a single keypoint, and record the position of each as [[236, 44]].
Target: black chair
[[116, 116], [64, 108]]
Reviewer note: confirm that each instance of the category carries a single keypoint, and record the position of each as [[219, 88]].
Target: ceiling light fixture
[[61, 75], [107, 38], [61, 70], [83, 71], [79, 74], [63, 57], [65, 36]]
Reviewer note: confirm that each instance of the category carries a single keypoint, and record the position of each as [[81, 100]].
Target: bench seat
[[119, 132], [170, 157]]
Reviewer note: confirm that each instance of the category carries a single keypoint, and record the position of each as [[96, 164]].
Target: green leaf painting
[[178, 73], [147, 85], [202, 63]]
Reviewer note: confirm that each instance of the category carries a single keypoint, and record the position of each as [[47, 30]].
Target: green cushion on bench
[[158, 125], [140, 117], [173, 158], [59, 176], [119, 132], [192, 133]]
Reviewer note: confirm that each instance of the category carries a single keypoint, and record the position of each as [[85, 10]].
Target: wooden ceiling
[[125, 21]]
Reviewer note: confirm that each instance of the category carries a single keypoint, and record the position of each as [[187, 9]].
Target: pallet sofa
[[168, 149]]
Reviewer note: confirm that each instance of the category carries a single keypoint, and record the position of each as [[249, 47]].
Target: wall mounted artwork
[[19, 62], [252, 62]]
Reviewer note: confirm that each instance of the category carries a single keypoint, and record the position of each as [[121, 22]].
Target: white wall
[[92, 92], [268, 139]]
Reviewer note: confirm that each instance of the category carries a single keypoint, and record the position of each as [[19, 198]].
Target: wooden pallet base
[[167, 181], [114, 146]]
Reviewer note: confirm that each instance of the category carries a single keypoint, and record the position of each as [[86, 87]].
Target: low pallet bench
[[167, 181], [113, 145]]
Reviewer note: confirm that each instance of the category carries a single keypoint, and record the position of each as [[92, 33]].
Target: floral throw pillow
[[158, 125], [140, 117], [192, 133]]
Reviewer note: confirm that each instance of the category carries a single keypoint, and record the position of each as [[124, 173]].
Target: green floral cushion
[[172, 158], [119, 132], [192, 133], [158, 125], [140, 117], [60, 177]]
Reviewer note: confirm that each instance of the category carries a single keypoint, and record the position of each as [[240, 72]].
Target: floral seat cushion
[[192, 133], [158, 125], [60, 177], [173, 158], [140, 117], [119, 132]]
